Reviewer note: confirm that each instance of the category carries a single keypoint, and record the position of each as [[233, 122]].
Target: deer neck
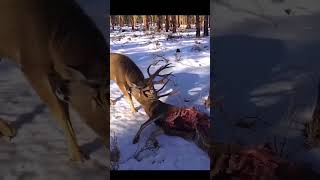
[[155, 107], [150, 107]]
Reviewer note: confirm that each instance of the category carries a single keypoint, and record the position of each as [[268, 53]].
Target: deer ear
[[75, 74]]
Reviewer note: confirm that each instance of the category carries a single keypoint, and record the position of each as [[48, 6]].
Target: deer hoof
[[133, 110]]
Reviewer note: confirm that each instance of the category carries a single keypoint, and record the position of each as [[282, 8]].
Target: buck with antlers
[[128, 76], [142, 89], [154, 108], [63, 56], [167, 117]]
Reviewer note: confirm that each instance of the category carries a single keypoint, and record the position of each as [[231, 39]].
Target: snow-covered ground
[[191, 77], [39, 150], [268, 64]]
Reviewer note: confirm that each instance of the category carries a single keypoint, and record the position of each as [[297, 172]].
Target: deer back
[[36, 36], [124, 70]]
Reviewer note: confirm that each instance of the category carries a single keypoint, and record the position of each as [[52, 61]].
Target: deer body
[[55, 38], [154, 108], [158, 113], [125, 73], [132, 83]]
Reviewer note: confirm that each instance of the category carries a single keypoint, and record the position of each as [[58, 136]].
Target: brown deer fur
[[128, 76], [56, 38]]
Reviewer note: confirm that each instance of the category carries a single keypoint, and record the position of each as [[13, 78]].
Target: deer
[[128, 76], [63, 56], [142, 89], [158, 113], [155, 109]]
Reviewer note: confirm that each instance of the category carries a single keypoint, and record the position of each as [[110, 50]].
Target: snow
[[191, 79], [265, 70], [39, 150]]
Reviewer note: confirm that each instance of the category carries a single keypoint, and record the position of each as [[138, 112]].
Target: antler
[[154, 63], [165, 78], [157, 91], [155, 74], [167, 94]]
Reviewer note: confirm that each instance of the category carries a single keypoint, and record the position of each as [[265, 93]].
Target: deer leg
[[6, 130], [144, 125], [60, 109], [129, 97]]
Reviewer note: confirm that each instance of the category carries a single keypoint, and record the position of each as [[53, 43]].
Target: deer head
[[96, 90], [146, 88]]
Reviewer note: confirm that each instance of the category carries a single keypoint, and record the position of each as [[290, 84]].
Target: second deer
[[154, 108], [159, 112]]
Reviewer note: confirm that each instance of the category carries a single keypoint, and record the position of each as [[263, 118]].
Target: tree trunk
[[174, 28], [205, 27], [133, 22], [125, 20], [147, 22], [167, 23], [188, 22], [112, 19], [198, 26], [183, 22], [201, 23], [144, 19], [121, 21], [159, 24], [178, 21]]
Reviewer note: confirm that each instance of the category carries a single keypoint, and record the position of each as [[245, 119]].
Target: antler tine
[[159, 70], [162, 86], [165, 67], [148, 70], [164, 77], [154, 63], [162, 68], [169, 94], [157, 61]]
